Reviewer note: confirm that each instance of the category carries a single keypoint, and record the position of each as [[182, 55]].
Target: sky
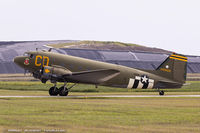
[[168, 24]]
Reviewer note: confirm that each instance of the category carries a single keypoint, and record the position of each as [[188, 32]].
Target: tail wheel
[[63, 91], [161, 93], [53, 91]]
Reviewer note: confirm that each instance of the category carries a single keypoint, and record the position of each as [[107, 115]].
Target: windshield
[[28, 55], [25, 54]]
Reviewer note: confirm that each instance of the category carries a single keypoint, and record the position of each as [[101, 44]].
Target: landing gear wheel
[[43, 80], [161, 93], [53, 91], [63, 91]]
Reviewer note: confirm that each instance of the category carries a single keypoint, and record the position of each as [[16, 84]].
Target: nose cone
[[19, 60]]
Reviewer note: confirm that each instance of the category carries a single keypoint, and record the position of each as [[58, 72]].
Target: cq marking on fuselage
[[42, 58]]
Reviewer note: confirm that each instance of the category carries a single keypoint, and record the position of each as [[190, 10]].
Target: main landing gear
[[62, 91]]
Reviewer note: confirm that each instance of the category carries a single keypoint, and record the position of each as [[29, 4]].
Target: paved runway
[[100, 96]]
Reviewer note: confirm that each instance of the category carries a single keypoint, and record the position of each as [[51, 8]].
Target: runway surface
[[100, 96]]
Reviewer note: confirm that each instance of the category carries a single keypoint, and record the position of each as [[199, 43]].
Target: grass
[[194, 86], [100, 115], [125, 115], [62, 45]]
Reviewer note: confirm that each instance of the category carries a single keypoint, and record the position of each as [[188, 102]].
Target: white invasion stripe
[[140, 85], [150, 86], [151, 82], [137, 78], [131, 82]]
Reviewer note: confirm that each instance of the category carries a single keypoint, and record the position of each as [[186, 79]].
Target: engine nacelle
[[54, 72]]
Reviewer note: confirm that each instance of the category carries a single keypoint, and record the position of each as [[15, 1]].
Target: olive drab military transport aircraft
[[46, 65]]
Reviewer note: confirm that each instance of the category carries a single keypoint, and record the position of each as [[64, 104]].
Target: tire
[[44, 80], [161, 93], [63, 92], [53, 91]]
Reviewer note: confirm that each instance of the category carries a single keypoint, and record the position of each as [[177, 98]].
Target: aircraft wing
[[93, 76]]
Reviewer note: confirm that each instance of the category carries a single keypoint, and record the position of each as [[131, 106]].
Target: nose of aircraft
[[19, 60]]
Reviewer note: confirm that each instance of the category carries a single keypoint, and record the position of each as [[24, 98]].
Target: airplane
[[47, 65]]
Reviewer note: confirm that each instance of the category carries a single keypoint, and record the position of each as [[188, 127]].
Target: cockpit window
[[25, 54], [28, 55]]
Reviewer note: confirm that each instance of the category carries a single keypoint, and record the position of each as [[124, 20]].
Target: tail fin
[[174, 67]]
